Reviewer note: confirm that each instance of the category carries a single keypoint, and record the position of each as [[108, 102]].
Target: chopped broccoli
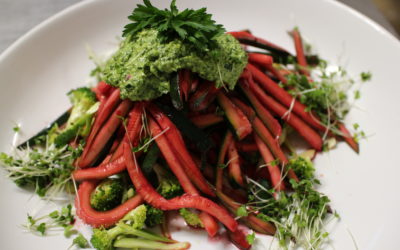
[[81, 242], [154, 217], [84, 105], [191, 218], [107, 195], [169, 186], [131, 225]]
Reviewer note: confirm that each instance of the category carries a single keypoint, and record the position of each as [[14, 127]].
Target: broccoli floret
[[191, 218], [102, 239], [107, 195], [131, 225], [154, 216], [169, 186], [84, 105]]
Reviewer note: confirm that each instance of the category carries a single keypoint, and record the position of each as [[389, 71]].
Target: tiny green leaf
[[250, 238], [242, 211]]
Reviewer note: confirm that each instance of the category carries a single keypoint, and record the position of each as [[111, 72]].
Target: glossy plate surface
[[43, 65]]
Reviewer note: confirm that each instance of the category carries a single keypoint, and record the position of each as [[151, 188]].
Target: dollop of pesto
[[142, 65]]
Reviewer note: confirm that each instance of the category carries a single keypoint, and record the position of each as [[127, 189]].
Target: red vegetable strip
[[179, 148], [301, 59], [120, 134], [150, 195], [203, 97], [277, 73], [265, 135], [184, 83], [245, 37], [102, 115], [100, 172], [251, 220], [221, 160], [234, 167], [246, 147], [310, 135], [349, 138], [104, 88], [170, 157], [104, 134], [263, 113], [249, 112], [133, 128], [260, 59], [274, 171], [235, 116], [238, 238], [284, 97], [187, 163], [203, 121], [210, 224], [101, 219]]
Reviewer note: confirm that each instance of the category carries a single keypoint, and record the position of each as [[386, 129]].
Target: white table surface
[[19, 16]]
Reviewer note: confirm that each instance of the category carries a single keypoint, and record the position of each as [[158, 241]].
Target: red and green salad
[[190, 120]]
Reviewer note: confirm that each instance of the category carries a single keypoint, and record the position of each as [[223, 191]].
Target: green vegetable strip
[[149, 244], [235, 116], [221, 160]]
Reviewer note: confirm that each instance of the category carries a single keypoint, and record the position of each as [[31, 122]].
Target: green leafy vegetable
[[191, 26]]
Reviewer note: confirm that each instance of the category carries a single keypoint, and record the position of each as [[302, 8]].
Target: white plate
[[43, 65]]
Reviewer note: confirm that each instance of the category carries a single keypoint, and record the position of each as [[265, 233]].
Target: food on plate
[[187, 117]]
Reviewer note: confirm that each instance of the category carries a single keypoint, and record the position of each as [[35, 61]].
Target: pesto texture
[[142, 65]]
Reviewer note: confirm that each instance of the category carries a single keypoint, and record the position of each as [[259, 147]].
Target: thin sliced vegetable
[[203, 121], [310, 135], [301, 59], [175, 91], [103, 136], [235, 116], [221, 159], [134, 243], [149, 194], [170, 157], [178, 145], [284, 97], [349, 139], [264, 114], [100, 172], [249, 39], [101, 219], [234, 165], [203, 97], [273, 169]]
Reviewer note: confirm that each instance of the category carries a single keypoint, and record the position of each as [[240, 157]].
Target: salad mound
[[188, 118]]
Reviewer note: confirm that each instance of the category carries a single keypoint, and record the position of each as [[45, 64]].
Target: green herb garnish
[[191, 26], [58, 219]]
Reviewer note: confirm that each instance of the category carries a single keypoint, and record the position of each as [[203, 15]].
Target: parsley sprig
[[191, 26]]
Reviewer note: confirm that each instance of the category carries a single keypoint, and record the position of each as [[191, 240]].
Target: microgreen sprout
[[47, 168], [58, 220], [300, 215]]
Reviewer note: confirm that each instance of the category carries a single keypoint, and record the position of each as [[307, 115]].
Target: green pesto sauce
[[142, 65]]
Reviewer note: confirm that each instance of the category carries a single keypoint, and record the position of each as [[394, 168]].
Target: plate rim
[[344, 7]]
